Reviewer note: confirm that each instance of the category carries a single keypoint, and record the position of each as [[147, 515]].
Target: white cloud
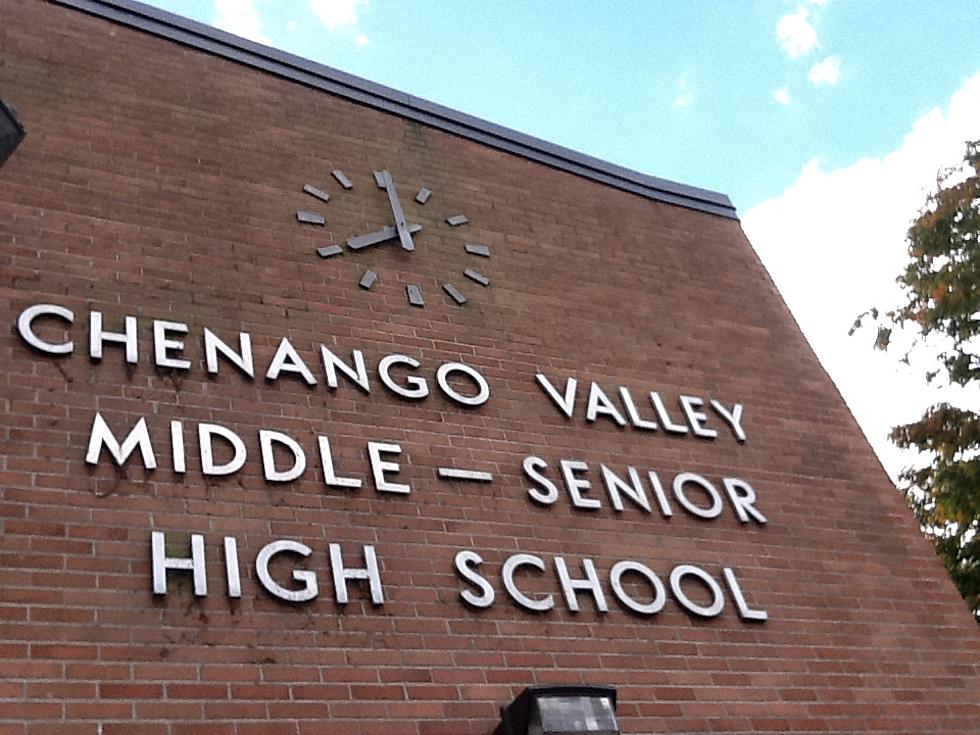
[[361, 40], [796, 34], [685, 95], [336, 13], [683, 100], [241, 18], [781, 96], [826, 71], [834, 242]]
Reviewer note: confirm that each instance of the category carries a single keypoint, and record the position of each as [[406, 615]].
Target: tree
[[941, 309]]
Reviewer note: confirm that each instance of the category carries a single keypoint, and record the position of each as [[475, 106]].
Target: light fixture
[[11, 131], [560, 710]]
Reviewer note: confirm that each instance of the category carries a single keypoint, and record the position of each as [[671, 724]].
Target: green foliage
[[941, 286]]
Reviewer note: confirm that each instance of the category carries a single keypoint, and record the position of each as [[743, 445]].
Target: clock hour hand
[[396, 209], [383, 235]]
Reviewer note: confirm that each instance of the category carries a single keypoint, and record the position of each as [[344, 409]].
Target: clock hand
[[396, 209], [382, 235]]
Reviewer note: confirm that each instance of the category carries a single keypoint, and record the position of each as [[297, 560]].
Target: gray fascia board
[[205, 38]]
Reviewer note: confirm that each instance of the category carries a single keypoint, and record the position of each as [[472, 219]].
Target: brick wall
[[160, 182]]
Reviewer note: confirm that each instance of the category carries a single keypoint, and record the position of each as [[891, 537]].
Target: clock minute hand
[[396, 209], [382, 235]]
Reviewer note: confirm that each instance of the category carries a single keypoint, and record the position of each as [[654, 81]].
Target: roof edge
[[302, 71]]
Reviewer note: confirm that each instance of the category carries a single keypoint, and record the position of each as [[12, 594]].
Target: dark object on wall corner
[[560, 710], [11, 131]]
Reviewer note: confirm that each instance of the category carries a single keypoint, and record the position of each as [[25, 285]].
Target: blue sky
[[825, 122], [681, 90]]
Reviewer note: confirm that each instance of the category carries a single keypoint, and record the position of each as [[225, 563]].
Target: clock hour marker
[[457, 219], [476, 249], [318, 193], [476, 276], [423, 196], [367, 280], [310, 218], [342, 179], [455, 293], [328, 251], [414, 295], [379, 179]]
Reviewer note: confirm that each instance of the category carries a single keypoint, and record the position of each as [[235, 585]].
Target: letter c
[[25, 325], [510, 566]]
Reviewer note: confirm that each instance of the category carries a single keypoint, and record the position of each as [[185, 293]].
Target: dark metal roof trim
[[217, 42]]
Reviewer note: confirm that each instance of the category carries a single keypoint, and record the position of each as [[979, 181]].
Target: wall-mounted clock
[[397, 232]]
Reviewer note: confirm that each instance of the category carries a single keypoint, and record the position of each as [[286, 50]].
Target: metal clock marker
[[342, 179], [310, 218], [454, 293], [316, 193], [476, 276], [368, 280], [414, 295], [328, 251]]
